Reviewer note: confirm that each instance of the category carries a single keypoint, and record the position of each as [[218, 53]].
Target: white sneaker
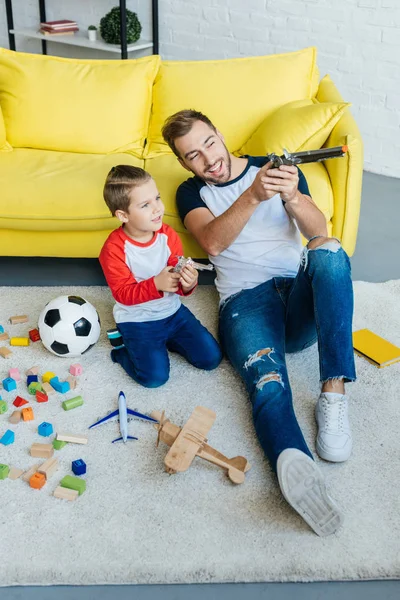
[[334, 441], [303, 487]]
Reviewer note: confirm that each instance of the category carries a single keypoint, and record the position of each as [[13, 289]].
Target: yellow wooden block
[[47, 376], [19, 341]]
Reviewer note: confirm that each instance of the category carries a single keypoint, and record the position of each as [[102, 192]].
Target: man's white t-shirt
[[269, 244]]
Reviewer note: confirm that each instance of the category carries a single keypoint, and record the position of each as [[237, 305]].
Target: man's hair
[[180, 124], [119, 184]]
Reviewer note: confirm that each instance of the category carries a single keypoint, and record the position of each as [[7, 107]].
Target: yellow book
[[374, 348]]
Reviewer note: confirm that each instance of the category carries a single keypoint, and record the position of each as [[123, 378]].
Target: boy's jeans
[[145, 356], [286, 314]]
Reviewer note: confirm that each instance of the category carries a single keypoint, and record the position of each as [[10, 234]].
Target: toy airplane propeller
[[189, 441], [122, 414]]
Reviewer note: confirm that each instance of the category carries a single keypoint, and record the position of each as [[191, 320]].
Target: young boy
[[137, 260]]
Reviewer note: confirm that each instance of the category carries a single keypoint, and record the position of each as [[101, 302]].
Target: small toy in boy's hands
[[182, 262]]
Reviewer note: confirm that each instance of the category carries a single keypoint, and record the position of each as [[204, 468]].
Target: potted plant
[[110, 27], [92, 33]]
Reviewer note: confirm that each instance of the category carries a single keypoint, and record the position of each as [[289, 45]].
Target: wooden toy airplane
[[189, 441]]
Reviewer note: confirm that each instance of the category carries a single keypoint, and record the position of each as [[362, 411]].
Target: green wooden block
[[4, 471], [58, 444], [72, 403], [73, 483], [3, 406], [33, 387]]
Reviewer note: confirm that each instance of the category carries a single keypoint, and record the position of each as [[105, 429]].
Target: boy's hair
[[180, 124], [119, 184]]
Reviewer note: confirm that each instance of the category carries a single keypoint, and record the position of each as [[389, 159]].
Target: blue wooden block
[[31, 378], [9, 384], [8, 438], [79, 466], [1, 329], [60, 386], [45, 429]]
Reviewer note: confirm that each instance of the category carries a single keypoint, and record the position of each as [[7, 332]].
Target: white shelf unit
[[80, 39]]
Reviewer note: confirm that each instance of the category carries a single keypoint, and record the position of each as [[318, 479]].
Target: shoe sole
[[304, 489]]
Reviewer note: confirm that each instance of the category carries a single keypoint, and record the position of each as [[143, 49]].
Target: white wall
[[358, 44]]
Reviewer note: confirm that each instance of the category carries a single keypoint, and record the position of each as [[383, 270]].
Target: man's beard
[[228, 162]]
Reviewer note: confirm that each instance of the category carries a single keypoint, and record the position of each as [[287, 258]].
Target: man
[[275, 298]]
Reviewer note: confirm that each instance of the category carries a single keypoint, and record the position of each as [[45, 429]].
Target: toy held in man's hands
[[308, 156], [182, 262]]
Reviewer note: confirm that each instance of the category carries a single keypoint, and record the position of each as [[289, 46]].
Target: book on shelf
[[58, 24], [375, 349], [53, 33], [59, 30]]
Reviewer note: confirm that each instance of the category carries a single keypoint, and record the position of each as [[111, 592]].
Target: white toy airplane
[[122, 414]]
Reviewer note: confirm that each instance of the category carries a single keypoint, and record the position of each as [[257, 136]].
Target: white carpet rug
[[137, 524]]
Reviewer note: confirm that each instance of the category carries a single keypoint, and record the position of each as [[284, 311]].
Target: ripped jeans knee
[[331, 244]]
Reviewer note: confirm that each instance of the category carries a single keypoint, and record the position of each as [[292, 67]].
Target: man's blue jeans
[[286, 314], [145, 356]]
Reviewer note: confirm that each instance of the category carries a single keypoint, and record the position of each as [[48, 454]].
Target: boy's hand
[[167, 281], [189, 277]]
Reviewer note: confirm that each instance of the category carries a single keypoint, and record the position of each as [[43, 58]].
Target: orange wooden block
[[27, 414], [37, 481]]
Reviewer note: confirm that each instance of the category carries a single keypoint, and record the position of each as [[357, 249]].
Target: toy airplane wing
[[121, 439], [191, 437], [112, 416], [139, 415]]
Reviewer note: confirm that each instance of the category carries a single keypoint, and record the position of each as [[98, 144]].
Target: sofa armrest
[[345, 173]]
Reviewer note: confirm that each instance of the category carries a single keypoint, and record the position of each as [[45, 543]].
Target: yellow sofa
[[64, 123]]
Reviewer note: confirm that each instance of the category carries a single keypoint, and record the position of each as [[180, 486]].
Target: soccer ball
[[69, 326]]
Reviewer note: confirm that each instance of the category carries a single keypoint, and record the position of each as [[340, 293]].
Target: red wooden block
[[20, 401], [41, 396], [34, 335]]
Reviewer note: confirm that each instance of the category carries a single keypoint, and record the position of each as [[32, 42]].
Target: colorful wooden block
[[1, 329], [41, 396], [14, 374], [58, 444], [79, 467], [15, 473], [65, 493], [4, 471], [47, 376], [73, 483], [76, 369], [28, 474], [31, 378], [8, 438], [18, 319], [5, 352], [3, 337], [33, 387], [46, 387], [27, 414], [34, 335], [15, 417], [72, 381], [60, 386], [45, 429], [3, 407], [37, 481], [72, 438], [49, 467], [42, 450], [72, 403], [19, 341], [32, 371], [20, 401], [9, 384]]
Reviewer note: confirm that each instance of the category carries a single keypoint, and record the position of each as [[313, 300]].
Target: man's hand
[[167, 281], [283, 181], [259, 188], [189, 277]]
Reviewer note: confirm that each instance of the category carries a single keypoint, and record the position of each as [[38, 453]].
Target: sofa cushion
[[168, 175], [4, 145], [236, 94], [71, 105], [58, 191], [296, 126]]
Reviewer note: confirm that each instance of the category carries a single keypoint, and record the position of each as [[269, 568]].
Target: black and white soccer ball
[[69, 326]]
